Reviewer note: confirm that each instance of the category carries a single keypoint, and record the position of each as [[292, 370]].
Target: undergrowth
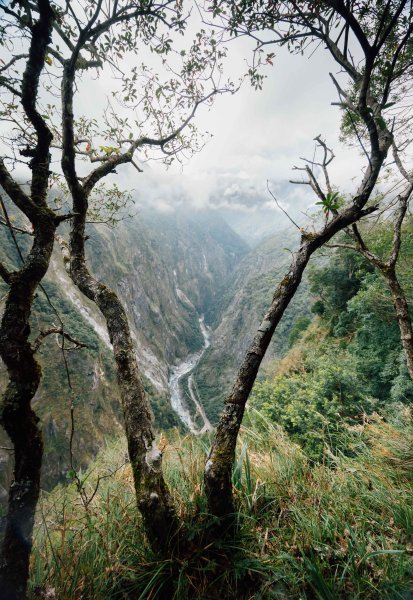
[[342, 529]]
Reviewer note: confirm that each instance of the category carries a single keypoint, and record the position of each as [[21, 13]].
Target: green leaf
[[381, 122]]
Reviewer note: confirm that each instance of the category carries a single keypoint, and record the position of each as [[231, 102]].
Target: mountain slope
[[167, 270], [243, 308]]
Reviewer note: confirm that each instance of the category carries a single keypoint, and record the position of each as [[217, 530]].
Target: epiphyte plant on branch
[[371, 43], [330, 203], [64, 50]]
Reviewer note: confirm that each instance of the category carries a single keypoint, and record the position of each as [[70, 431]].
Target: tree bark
[[154, 500], [401, 308], [17, 416], [218, 468], [388, 270]]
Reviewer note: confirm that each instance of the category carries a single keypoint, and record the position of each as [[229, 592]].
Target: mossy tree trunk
[[152, 495], [365, 95], [153, 498], [16, 414], [388, 268], [401, 308], [219, 465]]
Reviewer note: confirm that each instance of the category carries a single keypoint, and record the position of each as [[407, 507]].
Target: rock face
[[242, 309], [168, 270]]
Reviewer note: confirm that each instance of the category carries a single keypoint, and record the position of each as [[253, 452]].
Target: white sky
[[257, 136]]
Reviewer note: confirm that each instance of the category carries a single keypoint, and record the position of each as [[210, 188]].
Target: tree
[[64, 45], [380, 36], [167, 109], [388, 267], [17, 416]]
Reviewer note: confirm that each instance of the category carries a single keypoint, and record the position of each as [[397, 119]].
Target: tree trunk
[[218, 468], [17, 416], [402, 314], [154, 501]]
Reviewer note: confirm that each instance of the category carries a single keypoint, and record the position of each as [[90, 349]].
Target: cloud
[[257, 136]]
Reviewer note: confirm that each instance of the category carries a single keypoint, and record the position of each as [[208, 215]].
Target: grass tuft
[[343, 529]]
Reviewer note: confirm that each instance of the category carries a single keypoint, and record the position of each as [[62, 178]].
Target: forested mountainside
[[347, 362], [168, 270]]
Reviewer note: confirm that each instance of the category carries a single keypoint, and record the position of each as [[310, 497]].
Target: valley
[[182, 278], [180, 401]]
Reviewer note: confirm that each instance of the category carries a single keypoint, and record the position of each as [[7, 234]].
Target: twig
[[4, 273], [281, 208], [18, 229], [59, 331], [10, 226]]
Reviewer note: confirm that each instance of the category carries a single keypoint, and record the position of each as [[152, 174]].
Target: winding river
[[178, 401]]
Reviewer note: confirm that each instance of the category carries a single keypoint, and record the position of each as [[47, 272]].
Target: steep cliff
[[241, 310]]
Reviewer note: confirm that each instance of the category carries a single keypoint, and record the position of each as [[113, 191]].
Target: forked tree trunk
[[153, 498], [402, 315], [17, 416]]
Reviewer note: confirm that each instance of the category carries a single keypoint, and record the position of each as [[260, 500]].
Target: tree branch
[[58, 331], [281, 208], [41, 37]]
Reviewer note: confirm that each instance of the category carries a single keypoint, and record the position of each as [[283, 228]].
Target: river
[[177, 395]]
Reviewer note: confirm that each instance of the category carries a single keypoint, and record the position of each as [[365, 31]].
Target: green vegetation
[[323, 477], [337, 530], [348, 363]]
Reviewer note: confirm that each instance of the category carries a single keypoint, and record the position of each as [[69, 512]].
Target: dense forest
[[206, 378]]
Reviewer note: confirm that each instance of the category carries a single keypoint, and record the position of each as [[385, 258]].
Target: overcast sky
[[257, 136]]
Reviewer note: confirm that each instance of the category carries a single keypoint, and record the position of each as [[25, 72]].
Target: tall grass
[[342, 529]]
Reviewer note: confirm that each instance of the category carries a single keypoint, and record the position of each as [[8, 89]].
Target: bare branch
[[17, 229], [10, 226], [58, 331], [314, 184], [340, 7], [344, 246], [4, 274], [327, 159], [399, 164], [281, 208], [15, 192], [404, 203]]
